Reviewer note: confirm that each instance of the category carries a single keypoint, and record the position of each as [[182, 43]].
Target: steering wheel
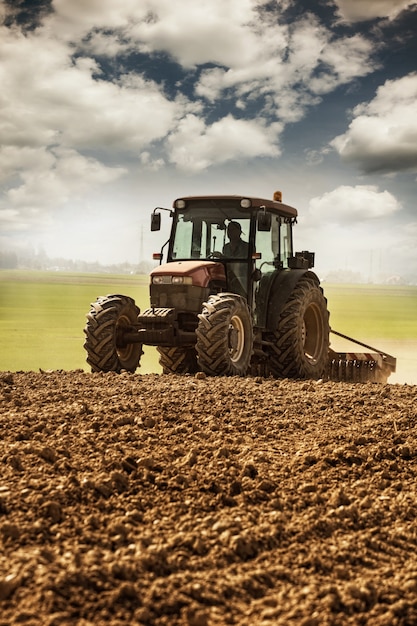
[[215, 255]]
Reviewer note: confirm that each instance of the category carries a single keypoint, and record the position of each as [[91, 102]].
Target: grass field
[[42, 316], [378, 311]]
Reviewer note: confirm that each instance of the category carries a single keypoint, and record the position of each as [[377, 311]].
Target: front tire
[[224, 336], [299, 346], [107, 321]]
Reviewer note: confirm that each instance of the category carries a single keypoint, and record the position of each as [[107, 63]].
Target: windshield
[[204, 231]]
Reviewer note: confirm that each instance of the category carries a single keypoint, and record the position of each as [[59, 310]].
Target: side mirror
[[264, 221], [301, 260], [155, 221]]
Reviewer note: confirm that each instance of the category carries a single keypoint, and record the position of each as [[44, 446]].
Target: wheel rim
[[312, 333], [124, 351], [236, 338]]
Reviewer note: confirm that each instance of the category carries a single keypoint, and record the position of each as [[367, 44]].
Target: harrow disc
[[354, 371]]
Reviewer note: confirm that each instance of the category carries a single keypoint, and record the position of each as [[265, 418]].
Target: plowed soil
[[151, 499]]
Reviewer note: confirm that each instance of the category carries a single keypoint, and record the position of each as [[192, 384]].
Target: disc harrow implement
[[360, 367]]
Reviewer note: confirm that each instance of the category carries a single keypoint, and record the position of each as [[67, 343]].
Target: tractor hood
[[198, 273]]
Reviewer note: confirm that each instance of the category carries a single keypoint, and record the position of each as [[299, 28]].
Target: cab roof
[[255, 203]]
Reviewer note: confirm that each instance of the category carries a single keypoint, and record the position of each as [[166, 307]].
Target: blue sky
[[109, 108]]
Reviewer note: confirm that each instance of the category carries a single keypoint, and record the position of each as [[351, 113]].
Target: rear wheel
[[299, 346], [224, 336], [178, 360], [109, 318]]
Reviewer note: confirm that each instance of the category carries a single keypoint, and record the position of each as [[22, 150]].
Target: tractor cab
[[249, 237]]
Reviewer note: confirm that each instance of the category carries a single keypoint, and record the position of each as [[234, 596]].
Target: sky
[[109, 108]]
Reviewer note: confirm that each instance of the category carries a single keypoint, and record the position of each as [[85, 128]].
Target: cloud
[[195, 146], [343, 60], [257, 54], [357, 204], [15, 159], [121, 117], [291, 67], [47, 179], [27, 14], [71, 21], [360, 10], [191, 32], [55, 95], [357, 228], [195, 33], [49, 98], [64, 128], [382, 137], [9, 218]]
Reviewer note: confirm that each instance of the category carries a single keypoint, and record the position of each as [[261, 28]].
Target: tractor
[[231, 299]]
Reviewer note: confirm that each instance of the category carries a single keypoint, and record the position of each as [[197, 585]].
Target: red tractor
[[233, 298]]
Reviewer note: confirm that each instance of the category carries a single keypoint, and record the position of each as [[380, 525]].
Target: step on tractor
[[231, 299]]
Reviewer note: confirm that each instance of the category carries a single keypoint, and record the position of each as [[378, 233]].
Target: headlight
[[161, 280], [182, 280], [245, 203], [171, 280]]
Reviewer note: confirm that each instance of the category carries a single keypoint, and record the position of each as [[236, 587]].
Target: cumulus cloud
[[26, 14], [382, 137], [360, 10], [59, 115], [49, 98], [291, 67], [47, 180], [191, 32], [195, 146], [344, 60], [357, 204], [55, 93], [257, 54], [71, 21], [14, 159], [352, 227], [195, 32]]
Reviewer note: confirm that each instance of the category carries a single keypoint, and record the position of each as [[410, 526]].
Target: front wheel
[[109, 318], [224, 336]]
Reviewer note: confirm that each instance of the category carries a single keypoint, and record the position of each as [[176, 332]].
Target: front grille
[[180, 297]]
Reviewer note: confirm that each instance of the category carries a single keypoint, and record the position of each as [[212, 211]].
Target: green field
[[42, 315], [373, 311]]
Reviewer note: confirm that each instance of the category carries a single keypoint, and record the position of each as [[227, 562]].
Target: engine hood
[[201, 272]]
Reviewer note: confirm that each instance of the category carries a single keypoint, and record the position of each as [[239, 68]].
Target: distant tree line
[[30, 260], [8, 260]]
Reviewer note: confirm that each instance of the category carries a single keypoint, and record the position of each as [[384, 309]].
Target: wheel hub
[[236, 338]]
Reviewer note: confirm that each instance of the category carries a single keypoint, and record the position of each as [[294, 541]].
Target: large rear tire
[[178, 360], [109, 318], [299, 346], [224, 336]]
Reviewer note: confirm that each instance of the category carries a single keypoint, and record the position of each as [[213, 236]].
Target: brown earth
[[152, 499]]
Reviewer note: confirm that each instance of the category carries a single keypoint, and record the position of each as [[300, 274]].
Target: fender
[[274, 291]]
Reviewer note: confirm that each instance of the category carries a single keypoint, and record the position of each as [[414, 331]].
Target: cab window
[[274, 245]]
